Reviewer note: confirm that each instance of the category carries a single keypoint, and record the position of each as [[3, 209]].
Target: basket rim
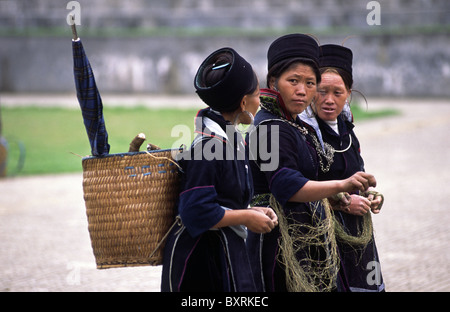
[[132, 153]]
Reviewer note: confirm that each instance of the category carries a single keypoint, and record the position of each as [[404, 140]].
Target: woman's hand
[[256, 219], [359, 206], [341, 201], [268, 212], [376, 200], [261, 219], [360, 181]]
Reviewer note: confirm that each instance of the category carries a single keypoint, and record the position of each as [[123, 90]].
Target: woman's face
[[331, 96], [298, 87]]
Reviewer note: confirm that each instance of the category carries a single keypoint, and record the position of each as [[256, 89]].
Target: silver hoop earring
[[347, 112], [313, 108], [310, 111], [237, 122]]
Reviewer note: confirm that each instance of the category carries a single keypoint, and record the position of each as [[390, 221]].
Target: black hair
[[217, 69], [212, 76], [223, 79]]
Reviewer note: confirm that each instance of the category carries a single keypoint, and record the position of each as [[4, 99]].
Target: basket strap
[[165, 158], [177, 221]]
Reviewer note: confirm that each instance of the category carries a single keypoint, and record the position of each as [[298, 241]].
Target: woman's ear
[[243, 103], [272, 83]]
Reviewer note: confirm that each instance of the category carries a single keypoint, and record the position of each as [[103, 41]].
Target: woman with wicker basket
[[331, 116], [300, 254], [206, 251]]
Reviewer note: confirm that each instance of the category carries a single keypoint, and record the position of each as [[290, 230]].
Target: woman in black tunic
[[206, 250], [300, 254], [331, 116]]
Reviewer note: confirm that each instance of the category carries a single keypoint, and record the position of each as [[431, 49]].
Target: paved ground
[[45, 245]]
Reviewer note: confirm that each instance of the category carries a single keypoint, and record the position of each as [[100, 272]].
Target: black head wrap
[[293, 46], [333, 55], [237, 80]]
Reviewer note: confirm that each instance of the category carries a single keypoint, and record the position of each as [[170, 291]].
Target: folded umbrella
[[89, 99]]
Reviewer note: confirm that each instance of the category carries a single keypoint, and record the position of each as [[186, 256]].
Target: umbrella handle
[[74, 28]]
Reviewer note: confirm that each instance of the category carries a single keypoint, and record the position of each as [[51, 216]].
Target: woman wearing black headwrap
[[206, 251], [300, 254], [332, 118]]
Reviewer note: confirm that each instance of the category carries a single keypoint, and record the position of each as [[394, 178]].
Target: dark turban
[[237, 79], [332, 55], [293, 46]]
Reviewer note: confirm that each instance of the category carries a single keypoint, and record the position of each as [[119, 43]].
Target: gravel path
[[45, 244]]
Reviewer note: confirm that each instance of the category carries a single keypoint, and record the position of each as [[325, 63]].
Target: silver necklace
[[326, 153]]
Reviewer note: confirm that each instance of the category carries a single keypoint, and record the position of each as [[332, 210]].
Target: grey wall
[[407, 55]]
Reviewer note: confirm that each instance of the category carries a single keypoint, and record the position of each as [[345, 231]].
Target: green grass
[[49, 136], [228, 31], [362, 113]]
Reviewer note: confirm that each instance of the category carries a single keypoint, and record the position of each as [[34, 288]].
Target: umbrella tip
[[74, 28]]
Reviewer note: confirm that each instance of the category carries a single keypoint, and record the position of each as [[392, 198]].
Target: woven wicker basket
[[130, 204]]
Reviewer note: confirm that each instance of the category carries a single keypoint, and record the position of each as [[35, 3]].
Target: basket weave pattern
[[130, 205]]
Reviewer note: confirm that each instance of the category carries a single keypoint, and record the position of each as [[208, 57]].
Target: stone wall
[[223, 13], [400, 57]]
